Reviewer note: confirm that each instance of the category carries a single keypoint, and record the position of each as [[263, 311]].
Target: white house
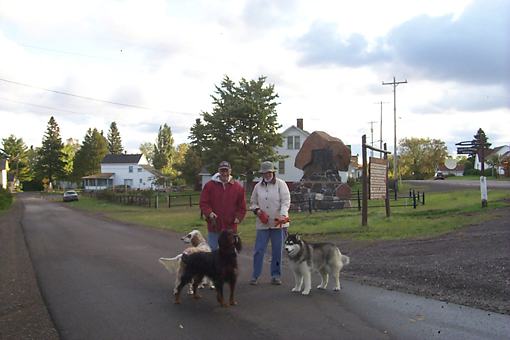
[[4, 167], [293, 137], [124, 170], [499, 151]]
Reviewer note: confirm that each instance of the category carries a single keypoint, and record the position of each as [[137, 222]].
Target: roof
[[122, 158], [152, 170], [458, 167], [106, 175], [306, 133]]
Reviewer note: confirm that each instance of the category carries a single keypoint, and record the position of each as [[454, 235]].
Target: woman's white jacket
[[273, 198]]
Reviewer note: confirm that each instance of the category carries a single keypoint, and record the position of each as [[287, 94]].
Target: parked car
[[70, 195], [439, 175]]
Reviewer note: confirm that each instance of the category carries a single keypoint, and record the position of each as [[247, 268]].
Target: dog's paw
[[337, 289], [320, 287], [233, 303], [305, 292], [295, 289]]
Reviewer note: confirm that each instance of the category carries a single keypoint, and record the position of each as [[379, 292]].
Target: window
[[281, 167], [140, 169], [130, 168], [141, 181], [290, 142], [293, 142], [297, 142]]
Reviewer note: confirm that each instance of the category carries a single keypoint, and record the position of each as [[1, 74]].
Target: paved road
[[101, 280]]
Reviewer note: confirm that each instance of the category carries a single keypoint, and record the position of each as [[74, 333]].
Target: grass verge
[[443, 212]]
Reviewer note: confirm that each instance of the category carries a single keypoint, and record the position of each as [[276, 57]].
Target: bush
[[5, 199]]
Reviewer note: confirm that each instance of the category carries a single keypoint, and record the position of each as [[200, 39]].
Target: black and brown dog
[[219, 265]]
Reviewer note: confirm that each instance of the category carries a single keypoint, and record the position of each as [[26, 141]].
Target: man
[[270, 201], [223, 203]]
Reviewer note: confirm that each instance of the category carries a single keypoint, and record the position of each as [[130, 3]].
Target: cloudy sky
[[146, 63]]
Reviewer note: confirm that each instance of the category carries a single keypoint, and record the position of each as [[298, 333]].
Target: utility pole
[[395, 156], [380, 128], [372, 136]]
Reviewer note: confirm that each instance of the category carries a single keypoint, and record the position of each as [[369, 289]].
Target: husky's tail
[[171, 264], [345, 260]]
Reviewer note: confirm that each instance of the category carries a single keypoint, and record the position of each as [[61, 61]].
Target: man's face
[[224, 174]]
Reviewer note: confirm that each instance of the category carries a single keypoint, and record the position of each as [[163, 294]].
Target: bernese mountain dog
[[219, 265]]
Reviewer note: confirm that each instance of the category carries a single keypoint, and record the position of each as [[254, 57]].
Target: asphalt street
[[102, 280]]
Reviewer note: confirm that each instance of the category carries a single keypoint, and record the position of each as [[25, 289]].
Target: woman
[[270, 201]]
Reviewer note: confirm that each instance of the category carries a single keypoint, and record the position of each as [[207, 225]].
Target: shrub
[[5, 199]]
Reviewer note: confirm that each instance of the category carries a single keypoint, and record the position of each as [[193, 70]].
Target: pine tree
[[114, 140], [242, 128], [91, 153], [50, 159]]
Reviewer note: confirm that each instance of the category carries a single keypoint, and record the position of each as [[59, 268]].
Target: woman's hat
[[267, 166]]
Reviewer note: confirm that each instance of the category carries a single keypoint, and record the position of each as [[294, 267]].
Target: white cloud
[[326, 58]]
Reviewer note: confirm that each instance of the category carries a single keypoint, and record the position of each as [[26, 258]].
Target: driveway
[[101, 280]]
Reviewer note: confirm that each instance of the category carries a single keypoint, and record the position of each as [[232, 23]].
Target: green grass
[[5, 199], [443, 212]]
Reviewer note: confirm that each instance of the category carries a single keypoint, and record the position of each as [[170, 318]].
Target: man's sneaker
[[253, 282], [276, 281]]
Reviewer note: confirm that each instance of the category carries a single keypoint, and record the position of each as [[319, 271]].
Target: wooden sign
[[377, 173]]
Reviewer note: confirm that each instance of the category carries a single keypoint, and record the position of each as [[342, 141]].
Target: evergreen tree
[[50, 158], [114, 140], [242, 128], [91, 153], [482, 146]]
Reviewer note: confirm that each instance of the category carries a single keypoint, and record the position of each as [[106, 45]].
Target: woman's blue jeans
[[262, 238]]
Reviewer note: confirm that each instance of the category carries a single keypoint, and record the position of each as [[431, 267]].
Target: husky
[[325, 258]]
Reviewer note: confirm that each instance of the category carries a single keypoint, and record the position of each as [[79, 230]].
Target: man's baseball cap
[[224, 165]]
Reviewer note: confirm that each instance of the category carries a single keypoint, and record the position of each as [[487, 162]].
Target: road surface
[[101, 280]]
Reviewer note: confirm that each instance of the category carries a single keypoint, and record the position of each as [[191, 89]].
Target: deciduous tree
[[420, 157], [15, 150]]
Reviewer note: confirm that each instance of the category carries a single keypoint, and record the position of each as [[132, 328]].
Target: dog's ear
[[298, 237]]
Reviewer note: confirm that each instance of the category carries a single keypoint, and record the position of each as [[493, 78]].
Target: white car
[[70, 195]]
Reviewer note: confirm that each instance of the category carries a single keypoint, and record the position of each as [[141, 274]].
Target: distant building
[[4, 168], [125, 170]]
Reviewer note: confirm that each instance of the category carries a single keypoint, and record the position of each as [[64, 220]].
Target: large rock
[[321, 152]]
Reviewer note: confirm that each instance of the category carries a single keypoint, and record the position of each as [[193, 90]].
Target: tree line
[[242, 128]]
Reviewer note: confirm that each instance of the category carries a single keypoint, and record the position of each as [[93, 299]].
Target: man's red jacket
[[225, 200]]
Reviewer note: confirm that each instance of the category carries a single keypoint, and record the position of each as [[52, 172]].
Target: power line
[[91, 98], [41, 106]]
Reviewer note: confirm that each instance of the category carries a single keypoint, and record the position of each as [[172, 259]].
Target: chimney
[[300, 123]]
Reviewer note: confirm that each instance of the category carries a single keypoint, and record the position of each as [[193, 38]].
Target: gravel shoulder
[[23, 313], [470, 267]]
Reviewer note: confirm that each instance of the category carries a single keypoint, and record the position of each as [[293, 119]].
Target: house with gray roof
[[131, 171]]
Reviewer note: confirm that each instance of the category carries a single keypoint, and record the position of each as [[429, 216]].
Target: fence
[[311, 202]]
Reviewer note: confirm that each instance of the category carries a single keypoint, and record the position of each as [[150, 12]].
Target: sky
[[146, 63]]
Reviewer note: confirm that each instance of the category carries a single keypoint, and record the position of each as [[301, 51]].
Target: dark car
[[439, 175], [70, 195]]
